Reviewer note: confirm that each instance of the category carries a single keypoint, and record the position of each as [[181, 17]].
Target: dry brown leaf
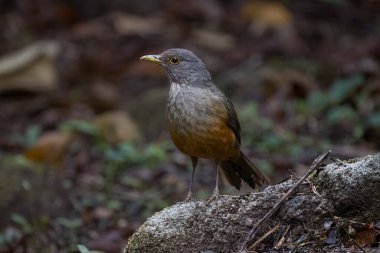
[[50, 148], [266, 15], [116, 126], [32, 68], [366, 236]]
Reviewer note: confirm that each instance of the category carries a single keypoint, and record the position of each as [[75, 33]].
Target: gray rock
[[348, 190]]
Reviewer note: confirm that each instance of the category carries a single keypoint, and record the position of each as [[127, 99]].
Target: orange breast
[[210, 139]]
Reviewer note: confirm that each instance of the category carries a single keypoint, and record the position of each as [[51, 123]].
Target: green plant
[[22, 222], [128, 154], [29, 138], [84, 127], [344, 88], [83, 249]]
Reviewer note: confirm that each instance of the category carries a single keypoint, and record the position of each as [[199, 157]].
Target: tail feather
[[243, 168], [231, 174]]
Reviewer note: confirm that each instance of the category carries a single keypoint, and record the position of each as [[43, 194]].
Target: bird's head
[[182, 66]]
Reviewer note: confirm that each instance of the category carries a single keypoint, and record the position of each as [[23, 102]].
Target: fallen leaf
[[366, 236], [31, 69], [50, 148], [116, 126], [267, 15]]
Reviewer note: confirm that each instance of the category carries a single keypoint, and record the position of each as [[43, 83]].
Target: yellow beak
[[152, 58]]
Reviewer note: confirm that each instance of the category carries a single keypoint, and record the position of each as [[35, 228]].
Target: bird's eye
[[174, 60]]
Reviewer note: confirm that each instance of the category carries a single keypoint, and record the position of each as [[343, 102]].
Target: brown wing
[[232, 120]]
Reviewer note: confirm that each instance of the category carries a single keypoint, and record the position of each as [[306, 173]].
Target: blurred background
[[85, 156]]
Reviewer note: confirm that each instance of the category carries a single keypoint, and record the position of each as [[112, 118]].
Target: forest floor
[[84, 154]]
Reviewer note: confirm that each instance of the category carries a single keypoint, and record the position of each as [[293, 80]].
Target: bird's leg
[[215, 193], [194, 162], [216, 189]]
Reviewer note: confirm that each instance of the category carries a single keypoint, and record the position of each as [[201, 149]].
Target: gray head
[[182, 66]]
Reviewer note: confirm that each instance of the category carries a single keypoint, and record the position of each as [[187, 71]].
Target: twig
[[313, 188], [276, 207], [300, 245], [264, 236], [282, 239]]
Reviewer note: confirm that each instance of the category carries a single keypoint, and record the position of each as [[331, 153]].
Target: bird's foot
[[215, 195], [189, 198], [211, 199]]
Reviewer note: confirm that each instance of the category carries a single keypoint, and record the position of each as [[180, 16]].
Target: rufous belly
[[210, 140]]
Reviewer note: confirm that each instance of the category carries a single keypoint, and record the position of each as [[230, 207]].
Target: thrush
[[202, 120]]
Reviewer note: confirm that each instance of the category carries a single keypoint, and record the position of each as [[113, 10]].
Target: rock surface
[[353, 187], [343, 189]]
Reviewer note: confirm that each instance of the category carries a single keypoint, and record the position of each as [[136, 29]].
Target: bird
[[202, 120]]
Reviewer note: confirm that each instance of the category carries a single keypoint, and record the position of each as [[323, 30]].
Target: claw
[[213, 197], [189, 198]]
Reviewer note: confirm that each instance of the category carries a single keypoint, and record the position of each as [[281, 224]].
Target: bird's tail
[[243, 168]]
